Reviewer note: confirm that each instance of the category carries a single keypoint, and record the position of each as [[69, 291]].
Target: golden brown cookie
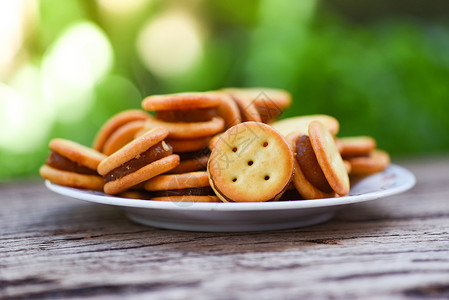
[[114, 123], [286, 126], [312, 171], [251, 162], [189, 165], [181, 101], [122, 136], [245, 103], [187, 187], [229, 111], [187, 130], [319, 169], [329, 158], [74, 165], [139, 160], [270, 103], [375, 161], [213, 141], [356, 146]]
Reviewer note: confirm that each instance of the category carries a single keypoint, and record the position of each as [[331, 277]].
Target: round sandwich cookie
[[192, 161], [122, 136], [374, 162], [187, 130], [184, 104], [251, 162], [187, 187], [355, 146], [139, 160], [229, 111], [269, 103], [213, 141], [319, 169], [245, 104], [73, 165], [114, 123], [286, 126], [196, 113]]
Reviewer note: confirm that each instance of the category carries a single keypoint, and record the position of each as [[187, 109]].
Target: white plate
[[226, 217]]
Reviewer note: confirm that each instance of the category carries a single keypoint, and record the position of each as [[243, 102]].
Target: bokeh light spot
[[170, 44], [71, 67]]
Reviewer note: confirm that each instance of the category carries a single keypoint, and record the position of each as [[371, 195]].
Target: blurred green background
[[381, 68]]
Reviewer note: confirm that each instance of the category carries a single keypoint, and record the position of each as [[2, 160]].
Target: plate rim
[[102, 198]]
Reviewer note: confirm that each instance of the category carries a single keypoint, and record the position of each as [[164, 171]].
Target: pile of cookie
[[218, 146]]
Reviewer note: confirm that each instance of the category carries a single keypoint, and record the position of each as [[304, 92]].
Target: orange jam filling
[[60, 162], [154, 153]]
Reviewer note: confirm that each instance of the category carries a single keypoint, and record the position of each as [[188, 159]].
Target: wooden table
[[393, 248]]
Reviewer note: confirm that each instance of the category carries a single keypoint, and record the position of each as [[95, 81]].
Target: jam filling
[[198, 191], [194, 154], [154, 153], [60, 162], [187, 115], [306, 158]]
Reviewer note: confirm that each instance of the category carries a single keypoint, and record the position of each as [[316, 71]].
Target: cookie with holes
[[73, 165], [119, 130], [319, 169], [268, 103], [301, 123], [138, 161], [187, 187], [250, 162]]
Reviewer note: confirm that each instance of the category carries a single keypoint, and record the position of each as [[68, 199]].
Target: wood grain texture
[[393, 248]]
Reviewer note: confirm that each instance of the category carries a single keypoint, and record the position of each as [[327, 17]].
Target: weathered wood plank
[[57, 247]]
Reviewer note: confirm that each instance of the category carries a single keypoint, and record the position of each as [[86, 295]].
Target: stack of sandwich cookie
[[74, 165], [319, 169], [362, 155], [119, 130], [191, 119], [233, 133], [138, 161], [250, 162], [187, 187]]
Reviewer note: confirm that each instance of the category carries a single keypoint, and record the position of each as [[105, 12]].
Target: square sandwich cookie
[[319, 169], [250, 162], [138, 161], [73, 165]]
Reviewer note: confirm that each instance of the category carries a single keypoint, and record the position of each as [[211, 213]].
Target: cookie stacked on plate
[[218, 146], [191, 120]]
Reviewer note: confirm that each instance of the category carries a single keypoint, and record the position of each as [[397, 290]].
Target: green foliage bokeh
[[388, 78]]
